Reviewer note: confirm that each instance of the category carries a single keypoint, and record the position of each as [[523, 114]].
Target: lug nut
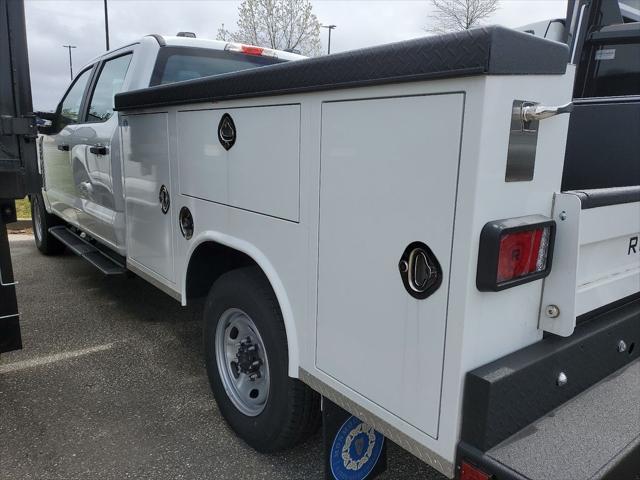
[[562, 379]]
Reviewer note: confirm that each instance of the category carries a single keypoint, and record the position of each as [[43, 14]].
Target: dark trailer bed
[[18, 168]]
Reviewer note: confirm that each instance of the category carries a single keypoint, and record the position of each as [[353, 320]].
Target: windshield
[[176, 64]]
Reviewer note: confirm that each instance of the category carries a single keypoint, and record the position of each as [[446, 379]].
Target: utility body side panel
[[146, 167], [260, 173], [416, 144], [380, 166], [393, 159]]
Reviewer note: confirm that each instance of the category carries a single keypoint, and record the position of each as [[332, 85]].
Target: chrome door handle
[[533, 111]]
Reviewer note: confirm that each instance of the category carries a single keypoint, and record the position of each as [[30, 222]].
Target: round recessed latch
[[165, 200], [186, 223], [420, 270], [227, 131]]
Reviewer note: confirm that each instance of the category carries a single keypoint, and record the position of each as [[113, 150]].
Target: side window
[[614, 70], [70, 108], [109, 83]]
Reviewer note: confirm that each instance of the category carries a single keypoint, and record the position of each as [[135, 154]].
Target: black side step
[[108, 263]]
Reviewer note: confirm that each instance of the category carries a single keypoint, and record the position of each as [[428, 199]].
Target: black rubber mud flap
[[353, 450]]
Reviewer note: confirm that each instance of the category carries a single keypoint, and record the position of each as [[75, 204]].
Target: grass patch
[[23, 208]]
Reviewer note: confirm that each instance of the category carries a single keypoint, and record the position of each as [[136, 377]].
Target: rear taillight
[[469, 472], [250, 50], [514, 251]]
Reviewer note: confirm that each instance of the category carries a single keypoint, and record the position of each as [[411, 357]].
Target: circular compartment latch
[[186, 223], [227, 131], [165, 200], [420, 270]]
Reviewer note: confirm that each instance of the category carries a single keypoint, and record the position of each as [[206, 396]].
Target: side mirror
[[46, 122]]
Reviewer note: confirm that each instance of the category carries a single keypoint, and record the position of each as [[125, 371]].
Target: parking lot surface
[[111, 385]]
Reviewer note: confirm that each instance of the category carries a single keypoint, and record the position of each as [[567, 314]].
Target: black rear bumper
[[520, 424]]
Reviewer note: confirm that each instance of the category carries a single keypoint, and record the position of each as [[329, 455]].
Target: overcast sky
[[53, 23]]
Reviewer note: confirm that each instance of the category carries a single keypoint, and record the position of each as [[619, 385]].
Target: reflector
[[521, 253]]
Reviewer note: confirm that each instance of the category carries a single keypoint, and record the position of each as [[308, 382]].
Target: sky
[[53, 23]]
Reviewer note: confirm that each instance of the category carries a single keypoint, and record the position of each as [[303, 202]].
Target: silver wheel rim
[[242, 362], [37, 217]]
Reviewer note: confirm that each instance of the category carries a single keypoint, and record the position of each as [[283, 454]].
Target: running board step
[[107, 262]]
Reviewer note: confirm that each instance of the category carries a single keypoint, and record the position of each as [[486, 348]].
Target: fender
[[272, 275]]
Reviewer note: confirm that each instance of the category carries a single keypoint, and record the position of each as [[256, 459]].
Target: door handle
[[532, 111], [99, 150], [64, 148]]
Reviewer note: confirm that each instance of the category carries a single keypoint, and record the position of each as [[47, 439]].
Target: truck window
[[109, 83], [176, 64], [70, 105], [613, 67], [614, 70]]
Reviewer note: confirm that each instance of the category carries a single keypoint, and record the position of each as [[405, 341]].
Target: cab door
[[58, 149], [97, 155]]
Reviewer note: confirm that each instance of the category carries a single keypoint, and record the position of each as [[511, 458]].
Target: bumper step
[[586, 438], [107, 262]]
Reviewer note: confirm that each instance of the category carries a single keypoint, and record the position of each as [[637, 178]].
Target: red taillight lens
[[251, 50], [469, 472], [522, 253], [514, 251]]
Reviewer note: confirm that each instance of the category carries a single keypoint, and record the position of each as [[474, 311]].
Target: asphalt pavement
[[111, 384]]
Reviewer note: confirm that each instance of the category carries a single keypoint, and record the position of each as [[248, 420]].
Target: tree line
[[291, 24]]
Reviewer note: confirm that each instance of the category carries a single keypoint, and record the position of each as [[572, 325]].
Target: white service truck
[[383, 230]]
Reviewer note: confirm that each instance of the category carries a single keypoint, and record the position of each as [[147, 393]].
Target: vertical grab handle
[[8, 284]]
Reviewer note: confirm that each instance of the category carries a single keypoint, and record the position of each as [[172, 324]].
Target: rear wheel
[[42, 222], [247, 361]]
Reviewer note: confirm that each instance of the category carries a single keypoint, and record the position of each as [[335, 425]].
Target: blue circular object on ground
[[355, 450]]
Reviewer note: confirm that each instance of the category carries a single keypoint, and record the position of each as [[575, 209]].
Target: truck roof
[[180, 41]]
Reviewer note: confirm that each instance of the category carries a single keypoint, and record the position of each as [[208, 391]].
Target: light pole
[[329, 27], [69, 47], [106, 24]]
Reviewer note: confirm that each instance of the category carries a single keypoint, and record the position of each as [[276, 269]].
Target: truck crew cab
[[80, 149], [400, 230]]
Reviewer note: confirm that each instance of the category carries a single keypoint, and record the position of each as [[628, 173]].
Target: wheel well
[[208, 262]]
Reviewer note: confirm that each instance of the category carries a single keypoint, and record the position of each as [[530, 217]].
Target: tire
[[42, 221], [290, 411]]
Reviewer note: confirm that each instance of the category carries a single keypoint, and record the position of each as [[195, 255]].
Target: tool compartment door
[[389, 172], [147, 171]]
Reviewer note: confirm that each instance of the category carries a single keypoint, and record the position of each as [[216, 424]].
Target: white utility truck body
[[361, 185]]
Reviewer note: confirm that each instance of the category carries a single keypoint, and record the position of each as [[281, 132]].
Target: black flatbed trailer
[[18, 163]]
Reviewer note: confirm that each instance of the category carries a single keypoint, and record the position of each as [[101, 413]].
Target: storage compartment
[[259, 172], [388, 179], [146, 168]]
